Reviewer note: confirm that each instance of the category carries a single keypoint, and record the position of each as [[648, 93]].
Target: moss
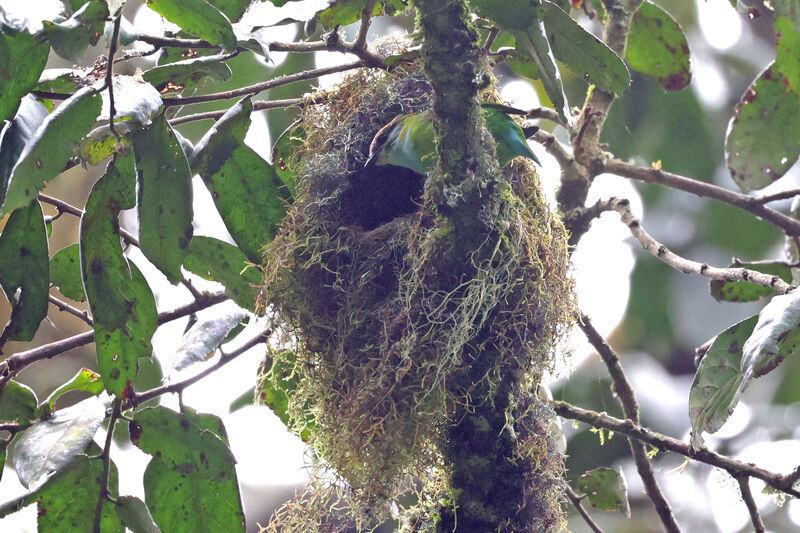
[[403, 328]]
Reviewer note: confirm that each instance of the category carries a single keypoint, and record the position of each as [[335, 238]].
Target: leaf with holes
[[763, 139], [164, 197], [199, 18], [85, 380], [583, 53], [745, 291], [216, 260], [17, 403], [715, 389], [50, 445], [24, 272], [122, 304], [22, 60], [65, 272], [45, 156], [658, 47], [775, 337], [190, 483], [605, 488]]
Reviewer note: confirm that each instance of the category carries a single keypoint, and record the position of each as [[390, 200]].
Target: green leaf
[[199, 18], [164, 197], [275, 387], [22, 60], [745, 291], [243, 400], [68, 501], [85, 380], [59, 80], [775, 337], [584, 54], [24, 272], [122, 304], [233, 9], [65, 272], [71, 38], [135, 515], [248, 193], [788, 46], [658, 47], [216, 260], [788, 9], [49, 446], [190, 483], [534, 43], [189, 73], [605, 489], [49, 150], [203, 339], [715, 389], [512, 15], [17, 403], [763, 139], [284, 152], [344, 12], [16, 134]]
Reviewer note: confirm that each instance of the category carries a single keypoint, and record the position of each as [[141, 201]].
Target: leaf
[[658, 47], [512, 15], [745, 291], [243, 400], [65, 272], [122, 304], [275, 387], [100, 143], [534, 43], [199, 18], [584, 54], [68, 501], [344, 12], [605, 489], [85, 380], [203, 339], [51, 147], [233, 9], [164, 197], [188, 74], [17, 403], [763, 139], [283, 155], [775, 337], [190, 483], [16, 134], [715, 389], [71, 38], [59, 80], [134, 98], [135, 515], [788, 47], [24, 272], [22, 60], [788, 9], [216, 260], [49, 446], [248, 193]]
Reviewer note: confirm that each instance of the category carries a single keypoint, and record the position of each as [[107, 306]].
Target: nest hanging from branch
[[385, 346]]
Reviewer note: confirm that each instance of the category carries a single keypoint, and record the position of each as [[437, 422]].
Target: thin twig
[[783, 195], [106, 458], [687, 266], [20, 360], [487, 44], [630, 407], [665, 443], [262, 86], [706, 190], [112, 49], [64, 306], [576, 501], [544, 113], [64, 207], [752, 508], [223, 360], [366, 19], [313, 99]]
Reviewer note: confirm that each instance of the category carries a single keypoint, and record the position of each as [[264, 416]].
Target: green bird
[[407, 141]]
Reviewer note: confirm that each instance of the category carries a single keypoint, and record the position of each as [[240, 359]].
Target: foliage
[[417, 287]]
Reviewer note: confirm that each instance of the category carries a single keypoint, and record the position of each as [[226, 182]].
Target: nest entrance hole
[[379, 194]]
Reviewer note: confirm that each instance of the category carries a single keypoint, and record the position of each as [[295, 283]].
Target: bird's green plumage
[[408, 140]]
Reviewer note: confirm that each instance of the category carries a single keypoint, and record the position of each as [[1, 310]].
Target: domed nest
[[381, 339]]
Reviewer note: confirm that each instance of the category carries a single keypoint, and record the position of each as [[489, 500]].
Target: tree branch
[[110, 74], [313, 99], [366, 19], [707, 190], [752, 508], [665, 443], [64, 306], [106, 458], [630, 407], [576, 501], [64, 207], [687, 266]]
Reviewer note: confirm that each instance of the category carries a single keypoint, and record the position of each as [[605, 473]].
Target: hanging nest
[[386, 344]]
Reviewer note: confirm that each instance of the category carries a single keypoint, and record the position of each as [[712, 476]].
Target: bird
[[407, 140]]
